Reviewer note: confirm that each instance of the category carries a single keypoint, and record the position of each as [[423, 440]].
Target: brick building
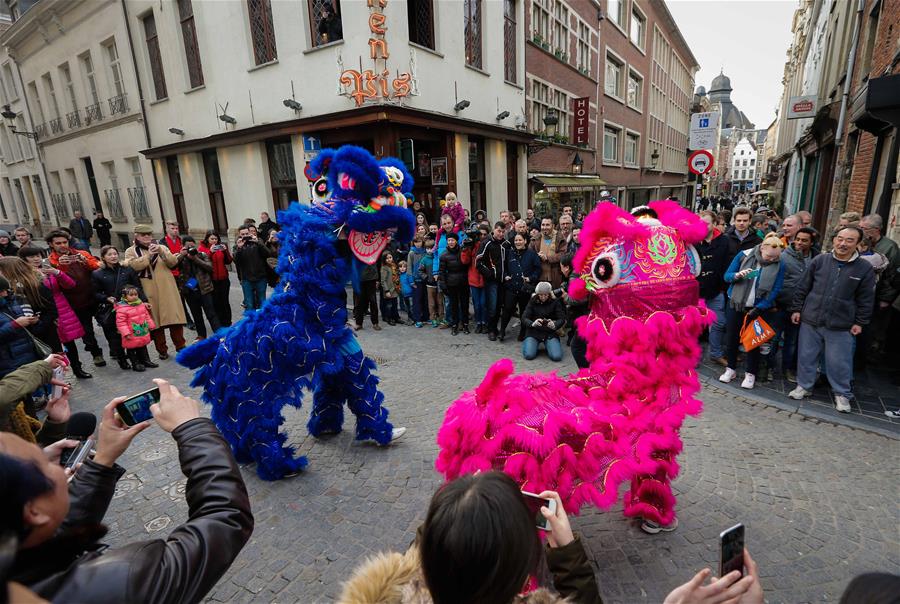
[[867, 163], [629, 61]]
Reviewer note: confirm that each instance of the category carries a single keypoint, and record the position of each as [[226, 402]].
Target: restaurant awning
[[569, 184]]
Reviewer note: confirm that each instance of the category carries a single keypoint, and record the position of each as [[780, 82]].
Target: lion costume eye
[[605, 270], [694, 260]]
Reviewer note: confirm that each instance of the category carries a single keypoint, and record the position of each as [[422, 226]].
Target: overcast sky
[[746, 38]]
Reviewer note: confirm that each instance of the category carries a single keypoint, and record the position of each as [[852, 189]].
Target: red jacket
[[82, 295], [134, 323], [476, 279], [220, 259]]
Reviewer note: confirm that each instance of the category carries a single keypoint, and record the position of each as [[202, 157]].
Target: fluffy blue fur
[[299, 339]]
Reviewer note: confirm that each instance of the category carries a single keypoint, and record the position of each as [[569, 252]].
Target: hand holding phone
[[114, 435], [731, 548], [173, 408], [560, 530], [535, 503]]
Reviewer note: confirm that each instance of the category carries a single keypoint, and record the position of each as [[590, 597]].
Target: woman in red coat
[[134, 322], [220, 257]]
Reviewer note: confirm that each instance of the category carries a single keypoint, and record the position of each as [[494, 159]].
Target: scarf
[[395, 274], [139, 251], [746, 292]]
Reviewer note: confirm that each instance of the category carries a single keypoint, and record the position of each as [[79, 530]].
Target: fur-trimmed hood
[[394, 578]]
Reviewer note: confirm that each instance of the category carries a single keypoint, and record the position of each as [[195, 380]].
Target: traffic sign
[[700, 162], [311, 143], [704, 129]]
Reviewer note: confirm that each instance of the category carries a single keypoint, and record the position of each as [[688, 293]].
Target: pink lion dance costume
[[585, 434]]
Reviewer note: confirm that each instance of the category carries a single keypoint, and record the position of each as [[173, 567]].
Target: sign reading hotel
[[580, 125], [801, 106], [374, 83]]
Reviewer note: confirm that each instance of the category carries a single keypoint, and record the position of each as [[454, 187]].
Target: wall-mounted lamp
[[551, 119], [577, 164], [502, 115], [292, 104], [177, 131], [10, 116], [654, 159], [461, 105]]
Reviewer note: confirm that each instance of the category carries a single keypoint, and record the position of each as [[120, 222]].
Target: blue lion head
[[366, 194]]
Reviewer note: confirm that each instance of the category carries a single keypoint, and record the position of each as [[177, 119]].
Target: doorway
[[92, 183]]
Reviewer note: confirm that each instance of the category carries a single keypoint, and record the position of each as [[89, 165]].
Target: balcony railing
[[139, 208], [59, 205], [118, 104], [93, 113], [75, 202], [56, 125], [114, 203], [40, 130], [74, 119]]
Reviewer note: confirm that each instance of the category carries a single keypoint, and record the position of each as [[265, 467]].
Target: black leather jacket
[[75, 567]]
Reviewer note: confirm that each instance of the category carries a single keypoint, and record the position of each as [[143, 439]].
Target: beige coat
[[161, 290]]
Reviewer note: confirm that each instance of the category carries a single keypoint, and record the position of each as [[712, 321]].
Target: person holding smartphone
[[220, 256], [59, 556]]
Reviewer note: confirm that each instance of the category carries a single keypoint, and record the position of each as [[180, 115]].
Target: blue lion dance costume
[[299, 339]]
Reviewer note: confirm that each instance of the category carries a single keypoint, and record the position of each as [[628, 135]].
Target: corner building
[[240, 95]]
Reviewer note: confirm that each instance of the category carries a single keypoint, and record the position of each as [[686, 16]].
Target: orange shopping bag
[[757, 333]]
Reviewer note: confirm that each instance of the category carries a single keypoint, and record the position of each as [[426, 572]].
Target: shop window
[[325, 21], [156, 66], [216, 191], [282, 173], [509, 40], [262, 31], [420, 14], [472, 10], [189, 38], [177, 190]]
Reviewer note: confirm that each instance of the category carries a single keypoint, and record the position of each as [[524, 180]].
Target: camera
[[247, 238], [192, 251]]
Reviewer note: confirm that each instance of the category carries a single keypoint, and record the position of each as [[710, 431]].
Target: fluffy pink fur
[[616, 421]]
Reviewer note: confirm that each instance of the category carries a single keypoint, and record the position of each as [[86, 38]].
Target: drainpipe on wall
[[137, 78], [838, 201], [46, 182]]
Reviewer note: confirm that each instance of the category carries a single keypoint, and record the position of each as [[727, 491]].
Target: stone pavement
[[819, 501]]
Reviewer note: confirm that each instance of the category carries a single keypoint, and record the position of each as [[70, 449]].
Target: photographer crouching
[[59, 555]]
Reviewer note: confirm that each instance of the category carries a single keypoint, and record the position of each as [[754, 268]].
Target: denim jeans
[[491, 310], [838, 348], [717, 329], [254, 293], [407, 304], [530, 348], [478, 304]]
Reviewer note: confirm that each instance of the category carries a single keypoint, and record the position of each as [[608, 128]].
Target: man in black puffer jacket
[[453, 279], [59, 556]]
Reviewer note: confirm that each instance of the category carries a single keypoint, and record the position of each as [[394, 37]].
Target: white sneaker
[[396, 433], [842, 403], [749, 381], [729, 375], [799, 393]]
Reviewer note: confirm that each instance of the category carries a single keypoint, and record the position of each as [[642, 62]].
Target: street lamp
[[551, 119], [654, 159], [577, 164], [10, 116]]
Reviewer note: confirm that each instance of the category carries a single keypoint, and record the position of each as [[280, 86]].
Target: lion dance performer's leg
[[356, 384]]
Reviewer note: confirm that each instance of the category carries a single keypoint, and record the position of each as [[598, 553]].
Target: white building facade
[[744, 168], [240, 94], [82, 97]]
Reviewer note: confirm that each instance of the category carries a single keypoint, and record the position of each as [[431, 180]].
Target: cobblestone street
[[818, 500]]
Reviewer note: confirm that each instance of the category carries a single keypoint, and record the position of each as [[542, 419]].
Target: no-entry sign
[[700, 162]]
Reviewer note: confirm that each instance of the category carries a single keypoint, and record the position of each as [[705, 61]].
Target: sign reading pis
[[700, 162], [581, 123]]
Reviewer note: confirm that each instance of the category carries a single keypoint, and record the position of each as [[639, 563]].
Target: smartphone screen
[[534, 504], [732, 550], [70, 458], [58, 374], [136, 409]]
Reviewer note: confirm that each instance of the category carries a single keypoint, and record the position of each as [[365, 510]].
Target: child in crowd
[[429, 277], [419, 296], [406, 292], [390, 288], [134, 322], [455, 210]]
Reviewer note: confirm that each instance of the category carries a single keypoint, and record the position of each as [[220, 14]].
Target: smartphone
[[70, 458], [136, 409], [731, 544], [45, 263], [58, 374], [534, 504]]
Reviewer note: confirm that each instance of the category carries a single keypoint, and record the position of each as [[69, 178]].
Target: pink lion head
[[635, 266]]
